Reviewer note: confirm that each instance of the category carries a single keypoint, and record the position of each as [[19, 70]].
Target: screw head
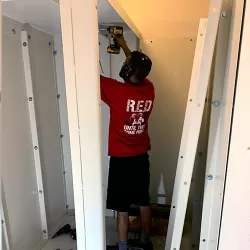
[[24, 44], [200, 154], [216, 103], [58, 96], [185, 183], [13, 31], [40, 191], [210, 177], [54, 52], [224, 14], [44, 231], [36, 148], [29, 37], [30, 99]]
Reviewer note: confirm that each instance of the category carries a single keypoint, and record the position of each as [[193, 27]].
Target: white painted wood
[[220, 122], [64, 120], [82, 79], [192, 124], [33, 125], [236, 212]]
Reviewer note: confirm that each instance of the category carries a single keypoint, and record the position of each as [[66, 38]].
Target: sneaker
[[138, 244]]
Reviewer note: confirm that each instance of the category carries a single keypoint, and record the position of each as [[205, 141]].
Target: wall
[[18, 173], [47, 116], [64, 120], [19, 177], [168, 36]]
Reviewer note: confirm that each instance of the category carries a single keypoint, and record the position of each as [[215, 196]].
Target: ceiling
[[45, 14]]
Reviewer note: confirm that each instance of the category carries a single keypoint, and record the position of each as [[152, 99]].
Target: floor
[[64, 242]]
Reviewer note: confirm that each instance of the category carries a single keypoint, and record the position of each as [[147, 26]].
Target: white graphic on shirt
[[136, 123], [137, 119]]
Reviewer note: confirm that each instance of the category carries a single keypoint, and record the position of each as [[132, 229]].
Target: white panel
[[64, 120], [33, 125], [220, 122], [71, 93], [105, 70], [192, 124], [235, 225], [18, 173], [45, 96], [84, 19], [172, 66]]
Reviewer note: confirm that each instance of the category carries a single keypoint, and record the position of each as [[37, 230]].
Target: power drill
[[115, 47]]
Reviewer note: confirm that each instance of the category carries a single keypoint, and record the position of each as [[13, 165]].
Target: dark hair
[[141, 63]]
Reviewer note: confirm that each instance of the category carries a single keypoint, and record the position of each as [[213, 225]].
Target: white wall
[[47, 115], [18, 173], [64, 120], [19, 177]]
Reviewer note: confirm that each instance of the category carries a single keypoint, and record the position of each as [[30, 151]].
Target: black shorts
[[128, 183]]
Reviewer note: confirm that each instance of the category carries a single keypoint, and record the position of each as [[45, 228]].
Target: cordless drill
[[114, 48]]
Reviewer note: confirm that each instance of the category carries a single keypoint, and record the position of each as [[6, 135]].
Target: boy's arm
[[121, 41]]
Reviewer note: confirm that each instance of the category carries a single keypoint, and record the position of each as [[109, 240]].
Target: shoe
[[138, 244]]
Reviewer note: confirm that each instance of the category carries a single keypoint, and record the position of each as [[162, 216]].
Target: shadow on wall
[[171, 77]]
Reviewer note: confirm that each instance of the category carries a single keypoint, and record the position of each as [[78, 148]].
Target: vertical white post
[[225, 65], [33, 126], [80, 46], [191, 129], [235, 223]]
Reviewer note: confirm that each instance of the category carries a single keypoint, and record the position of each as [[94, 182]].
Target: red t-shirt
[[130, 108]]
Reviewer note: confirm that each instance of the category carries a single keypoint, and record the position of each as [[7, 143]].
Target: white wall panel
[[64, 120], [18, 173], [45, 96]]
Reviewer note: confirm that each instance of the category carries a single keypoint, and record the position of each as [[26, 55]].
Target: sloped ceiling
[[45, 14]]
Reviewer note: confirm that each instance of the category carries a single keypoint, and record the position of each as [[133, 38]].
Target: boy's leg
[[146, 219], [118, 196]]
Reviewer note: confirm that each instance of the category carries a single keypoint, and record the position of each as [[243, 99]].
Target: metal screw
[[61, 136], [201, 34], [24, 44], [64, 172], [2, 221], [224, 14], [181, 157], [204, 240], [173, 206], [248, 148], [58, 96], [30, 99], [40, 191], [13, 31], [29, 37], [50, 44], [36, 148], [190, 100], [185, 183], [210, 177], [44, 231], [216, 103], [191, 40], [67, 206], [54, 52], [200, 153]]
